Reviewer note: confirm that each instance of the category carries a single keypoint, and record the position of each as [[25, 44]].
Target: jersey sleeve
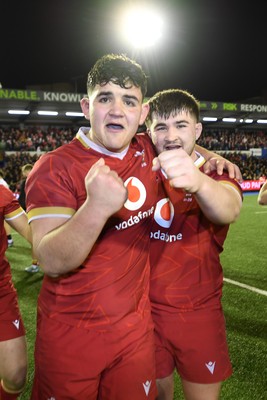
[[11, 206], [49, 190], [226, 180]]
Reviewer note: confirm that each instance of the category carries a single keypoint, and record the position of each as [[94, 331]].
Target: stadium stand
[[25, 145]]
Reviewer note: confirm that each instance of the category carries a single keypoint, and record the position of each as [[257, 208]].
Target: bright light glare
[[74, 114], [142, 27], [19, 112], [47, 113], [229, 119], [210, 119]]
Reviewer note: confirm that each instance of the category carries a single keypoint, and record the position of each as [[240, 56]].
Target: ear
[[85, 106], [145, 109], [198, 129]]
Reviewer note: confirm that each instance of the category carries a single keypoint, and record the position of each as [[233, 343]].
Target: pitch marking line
[[253, 289], [243, 285]]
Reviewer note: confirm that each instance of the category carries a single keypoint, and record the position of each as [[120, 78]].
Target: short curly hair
[[118, 69]]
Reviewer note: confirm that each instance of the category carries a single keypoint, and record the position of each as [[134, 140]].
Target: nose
[[171, 134], [116, 108]]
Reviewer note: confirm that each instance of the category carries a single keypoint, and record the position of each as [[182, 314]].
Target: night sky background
[[215, 49]]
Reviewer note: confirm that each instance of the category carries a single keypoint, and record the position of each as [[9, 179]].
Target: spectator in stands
[[25, 170], [31, 139], [232, 139], [13, 352], [46, 139], [186, 274], [262, 196], [13, 164]]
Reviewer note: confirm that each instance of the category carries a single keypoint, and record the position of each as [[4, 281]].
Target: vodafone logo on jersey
[[164, 213], [136, 193]]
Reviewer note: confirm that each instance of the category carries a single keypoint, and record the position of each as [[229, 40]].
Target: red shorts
[[11, 325], [195, 344], [73, 363]]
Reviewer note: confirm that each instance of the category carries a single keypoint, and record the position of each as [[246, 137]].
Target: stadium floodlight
[[47, 112], [142, 26], [229, 119], [262, 121], [210, 119], [19, 112], [74, 114]]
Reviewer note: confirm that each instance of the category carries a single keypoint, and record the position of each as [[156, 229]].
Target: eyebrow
[[159, 125], [130, 97], [104, 94], [181, 121], [125, 96]]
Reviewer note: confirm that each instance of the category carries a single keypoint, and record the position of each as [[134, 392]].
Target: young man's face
[[114, 113], [179, 130]]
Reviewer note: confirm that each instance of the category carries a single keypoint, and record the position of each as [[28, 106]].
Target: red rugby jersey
[[186, 272], [9, 209], [111, 287]]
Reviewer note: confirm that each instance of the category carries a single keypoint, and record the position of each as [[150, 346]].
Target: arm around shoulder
[[216, 162]]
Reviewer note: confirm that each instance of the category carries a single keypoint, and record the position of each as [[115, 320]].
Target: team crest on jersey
[[136, 193], [164, 213], [142, 154]]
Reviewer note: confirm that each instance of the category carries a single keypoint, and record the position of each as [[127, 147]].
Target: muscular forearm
[[65, 247], [20, 224], [219, 202], [62, 246]]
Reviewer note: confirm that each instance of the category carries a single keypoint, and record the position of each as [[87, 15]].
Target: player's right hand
[[105, 189]]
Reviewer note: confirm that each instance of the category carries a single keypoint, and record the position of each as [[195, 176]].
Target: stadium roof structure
[[36, 107]]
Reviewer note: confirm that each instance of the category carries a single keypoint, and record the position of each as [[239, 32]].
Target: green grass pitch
[[244, 261]]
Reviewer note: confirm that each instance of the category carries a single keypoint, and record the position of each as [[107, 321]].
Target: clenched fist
[[180, 169], [105, 188]]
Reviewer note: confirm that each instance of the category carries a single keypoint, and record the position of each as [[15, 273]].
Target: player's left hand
[[220, 164]]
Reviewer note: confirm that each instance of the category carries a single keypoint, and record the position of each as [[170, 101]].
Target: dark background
[[215, 49]]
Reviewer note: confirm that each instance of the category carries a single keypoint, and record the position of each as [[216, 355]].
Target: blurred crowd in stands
[[232, 139], [39, 140], [252, 168], [35, 139]]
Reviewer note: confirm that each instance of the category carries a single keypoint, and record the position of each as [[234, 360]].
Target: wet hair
[[118, 69], [172, 102]]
